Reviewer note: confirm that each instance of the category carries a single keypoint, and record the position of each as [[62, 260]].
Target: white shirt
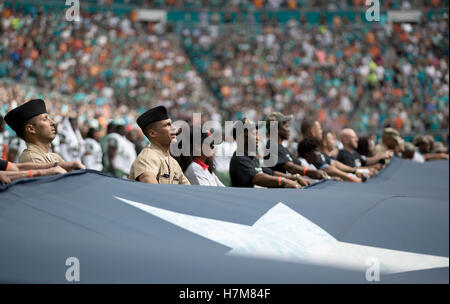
[[92, 159], [71, 145], [199, 176], [418, 157], [126, 152], [18, 144], [306, 164], [223, 154]]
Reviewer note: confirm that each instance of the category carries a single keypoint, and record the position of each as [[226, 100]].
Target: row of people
[[316, 157]]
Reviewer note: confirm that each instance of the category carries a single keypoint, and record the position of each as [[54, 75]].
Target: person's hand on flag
[[4, 179], [72, 165]]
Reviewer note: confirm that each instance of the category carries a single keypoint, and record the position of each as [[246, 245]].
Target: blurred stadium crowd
[[106, 70], [357, 74], [275, 4]]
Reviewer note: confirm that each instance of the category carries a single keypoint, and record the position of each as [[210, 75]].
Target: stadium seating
[[335, 66]]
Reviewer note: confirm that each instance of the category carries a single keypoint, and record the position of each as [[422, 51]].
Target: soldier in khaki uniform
[[154, 164], [31, 123], [390, 140], [33, 153]]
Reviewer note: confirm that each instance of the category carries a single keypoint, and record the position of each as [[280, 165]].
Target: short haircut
[[306, 145], [364, 146], [120, 128], [30, 121], [307, 125], [110, 128], [91, 132], [147, 128]]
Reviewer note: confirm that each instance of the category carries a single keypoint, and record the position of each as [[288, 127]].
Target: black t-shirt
[[243, 168], [323, 162], [352, 159], [326, 159], [3, 164], [284, 156]]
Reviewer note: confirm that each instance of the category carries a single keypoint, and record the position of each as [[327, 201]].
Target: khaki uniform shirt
[[34, 154], [381, 148], [152, 159]]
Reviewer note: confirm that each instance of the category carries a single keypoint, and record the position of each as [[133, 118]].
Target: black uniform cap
[[16, 118], [155, 114]]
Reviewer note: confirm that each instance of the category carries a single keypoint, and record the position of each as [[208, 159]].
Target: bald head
[[345, 133], [349, 139]]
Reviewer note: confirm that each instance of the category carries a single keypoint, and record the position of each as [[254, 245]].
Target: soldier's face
[[390, 143], [43, 127], [164, 132]]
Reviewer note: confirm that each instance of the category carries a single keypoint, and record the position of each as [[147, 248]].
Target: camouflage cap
[[419, 139], [394, 134], [439, 148], [409, 147], [277, 116]]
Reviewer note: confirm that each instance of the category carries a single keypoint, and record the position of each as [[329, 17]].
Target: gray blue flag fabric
[[392, 229]]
